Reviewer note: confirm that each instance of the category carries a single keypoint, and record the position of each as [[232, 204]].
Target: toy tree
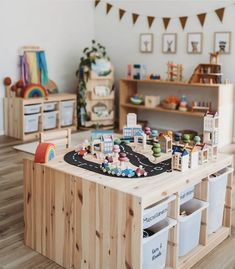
[[147, 131], [116, 150], [156, 150], [122, 158], [154, 134], [117, 141], [178, 137], [186, 138], [197, 139]]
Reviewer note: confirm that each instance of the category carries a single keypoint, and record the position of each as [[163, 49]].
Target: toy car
[[128, 172], [140, 171], [117, 171]]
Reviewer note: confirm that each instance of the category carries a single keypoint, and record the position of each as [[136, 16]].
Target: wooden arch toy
[[34, 90], [44, 153]]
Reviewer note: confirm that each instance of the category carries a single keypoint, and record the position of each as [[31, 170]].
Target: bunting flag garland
[[97, 2], [121, 13], [135, 17], [202, 18], [183, 21], [220, 13], [108, 8], [150, 20], [166, 22]]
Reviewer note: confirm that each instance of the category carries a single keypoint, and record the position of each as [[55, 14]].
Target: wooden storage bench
[[80, 219], [16, 109]]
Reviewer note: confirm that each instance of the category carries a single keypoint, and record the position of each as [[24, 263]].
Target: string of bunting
[[165, 20]]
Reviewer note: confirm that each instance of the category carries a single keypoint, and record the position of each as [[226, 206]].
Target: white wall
[[122, 39], [62, 27]]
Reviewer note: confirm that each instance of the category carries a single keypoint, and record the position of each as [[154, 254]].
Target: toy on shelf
[[170, 102], [211, 133], [34, 90], [180, 158], [137, 71], [165, 141], [151, 101], [174, 72], [201, 106], [137, 99], [183, 105], [208, 73], [156, 150], [154, 77], [129, 74]]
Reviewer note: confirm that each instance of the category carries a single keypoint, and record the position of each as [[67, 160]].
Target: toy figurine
[[183, 104]]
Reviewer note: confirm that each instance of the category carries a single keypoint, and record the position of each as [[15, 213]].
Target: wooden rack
[[80, 219], [14, 114], [221, 94]]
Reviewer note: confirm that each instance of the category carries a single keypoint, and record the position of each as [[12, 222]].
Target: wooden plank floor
[[15, 255]]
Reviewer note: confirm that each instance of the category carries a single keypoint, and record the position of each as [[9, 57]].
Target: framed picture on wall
[[222, 42], [146, 43], [169, 43], [194, 43]]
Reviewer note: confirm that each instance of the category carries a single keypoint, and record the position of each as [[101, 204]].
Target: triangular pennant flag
[[166, 22], [97, 2], [108, 8], [121, 13], [202, 18], [135, 17], [150, 20], [183, 21], [220, 13]]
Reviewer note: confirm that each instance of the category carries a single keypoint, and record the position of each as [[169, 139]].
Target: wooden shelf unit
[[222, 94], [81, 219], [14, 114]]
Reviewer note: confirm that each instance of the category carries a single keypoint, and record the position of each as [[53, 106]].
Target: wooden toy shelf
[[221, 94], [81, 219], [14, 108]]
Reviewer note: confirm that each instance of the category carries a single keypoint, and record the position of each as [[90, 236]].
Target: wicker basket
[[167, 105]]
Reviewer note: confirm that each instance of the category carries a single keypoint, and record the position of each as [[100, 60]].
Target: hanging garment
[[33, 67], [42, 66]]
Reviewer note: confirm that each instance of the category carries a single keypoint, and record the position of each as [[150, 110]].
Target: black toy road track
[[135, 158]]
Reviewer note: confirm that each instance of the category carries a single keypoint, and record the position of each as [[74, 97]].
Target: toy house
[[141, 135], [166, 143], [193, 157], [211, 133], [203, 156], [102, 141], [180, 159], [132, 128]]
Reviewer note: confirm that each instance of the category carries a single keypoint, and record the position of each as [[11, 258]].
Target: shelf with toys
[[148, 187], [200, 98]]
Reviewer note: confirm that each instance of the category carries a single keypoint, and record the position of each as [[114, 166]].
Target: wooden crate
[[80, 219], [14, 114]]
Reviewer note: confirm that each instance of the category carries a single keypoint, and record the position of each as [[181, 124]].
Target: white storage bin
[[186, 195], [49, 106], [49, 120], [217, 192], [155, 246], [156, 212], [32, 109], [67, 113], [189, 226], [31, 123]]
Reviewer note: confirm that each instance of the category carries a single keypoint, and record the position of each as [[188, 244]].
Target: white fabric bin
[[189, 226], [155, 246], [66, 111], [217, 192], [32, 109], [49, 106], [156, 212], [49, 120], [186, 195], [31, 123]]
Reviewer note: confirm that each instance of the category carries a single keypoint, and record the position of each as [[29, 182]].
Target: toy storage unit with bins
[[100, 100], [26, 118], [220, 95], [90, 220]]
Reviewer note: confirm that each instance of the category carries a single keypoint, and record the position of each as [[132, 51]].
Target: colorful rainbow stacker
[[44, 153], [34, 90]]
